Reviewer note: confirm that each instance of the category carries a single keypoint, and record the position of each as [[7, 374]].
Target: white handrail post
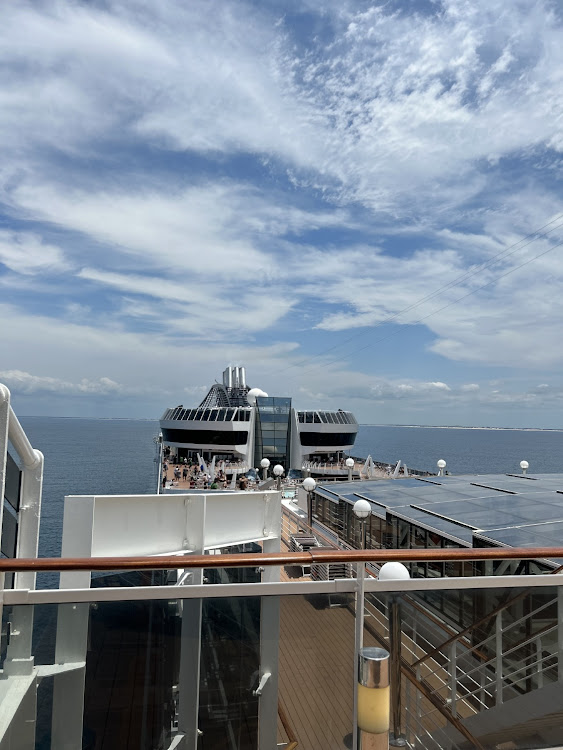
[[4, 416], [498, 645], [560, 633], [359, 642], [453, 677], [19, 659], [539, 664]]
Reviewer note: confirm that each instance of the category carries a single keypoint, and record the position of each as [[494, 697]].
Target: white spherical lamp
[[441, 464], [393, 571], [362, 509], [265, 463], [524, 465], [349, 463], [309, 484], [278, 470]]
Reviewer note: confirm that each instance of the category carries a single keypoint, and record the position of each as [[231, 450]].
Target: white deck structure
[[244, 424]]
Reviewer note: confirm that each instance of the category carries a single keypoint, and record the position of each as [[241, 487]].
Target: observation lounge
[[249, 621], [243, 425]]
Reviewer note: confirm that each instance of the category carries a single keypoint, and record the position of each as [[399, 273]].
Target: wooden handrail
[[250, 559]]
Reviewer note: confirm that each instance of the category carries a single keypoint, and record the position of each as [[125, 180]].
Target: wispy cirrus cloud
[[26, 383], [27, 254], [283, 182]]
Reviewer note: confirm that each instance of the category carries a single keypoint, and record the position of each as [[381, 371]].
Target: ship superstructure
[[238, 423], [240, 620]]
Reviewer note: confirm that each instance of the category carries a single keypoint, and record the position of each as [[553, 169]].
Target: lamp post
[[264, 463], [362, 510], [349, 465], [441, 464], [395, 571], [524, 466], [309, 485], [278, 471]]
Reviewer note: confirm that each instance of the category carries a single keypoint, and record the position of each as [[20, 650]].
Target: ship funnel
[[234, 377]]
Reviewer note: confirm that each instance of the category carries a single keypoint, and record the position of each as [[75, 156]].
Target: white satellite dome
[[253, 394]]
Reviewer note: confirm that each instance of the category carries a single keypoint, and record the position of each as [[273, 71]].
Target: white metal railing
[[338, 585], [425, 725]]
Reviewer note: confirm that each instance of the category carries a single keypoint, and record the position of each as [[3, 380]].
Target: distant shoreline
[[410, 426], [460, 427], [94, 419]]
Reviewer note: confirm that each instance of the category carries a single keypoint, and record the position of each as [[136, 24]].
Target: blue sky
[[335, 195]]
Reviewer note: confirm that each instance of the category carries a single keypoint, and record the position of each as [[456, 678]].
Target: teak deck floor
[[316, 665]]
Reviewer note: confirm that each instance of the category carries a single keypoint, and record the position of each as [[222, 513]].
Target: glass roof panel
[[440, 524], [516, 538]]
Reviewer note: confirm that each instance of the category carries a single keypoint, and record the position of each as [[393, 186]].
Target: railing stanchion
[[358, 641], [396, 739], [453, 677], [560, 633], [498, 644], [539, 663]]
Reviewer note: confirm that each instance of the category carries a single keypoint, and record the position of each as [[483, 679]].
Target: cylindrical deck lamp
[[373, 698], [350, 466], [278, 471], [309, 485]]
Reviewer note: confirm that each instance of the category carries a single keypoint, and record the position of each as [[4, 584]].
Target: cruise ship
[[241, 424], [252, 621]]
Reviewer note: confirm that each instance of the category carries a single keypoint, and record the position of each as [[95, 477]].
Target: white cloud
[[469, 388], [86, 358], [26, 383], [186, 233], [26, 253], [155, 143], [395, 101], [207, 309]]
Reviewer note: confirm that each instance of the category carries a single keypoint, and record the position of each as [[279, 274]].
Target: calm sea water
[[88, 457], [104, 456], [466, 451]]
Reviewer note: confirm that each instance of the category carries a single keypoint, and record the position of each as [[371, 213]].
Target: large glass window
[[337, 439], [272, 429], [205, 437]]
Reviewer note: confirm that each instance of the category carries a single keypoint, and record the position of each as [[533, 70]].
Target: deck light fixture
[[524, 466], [349, 465], [373, 698], [278, 471], [395, 571], [441, 464], [309, 485], [265, 463], [362, 510]]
